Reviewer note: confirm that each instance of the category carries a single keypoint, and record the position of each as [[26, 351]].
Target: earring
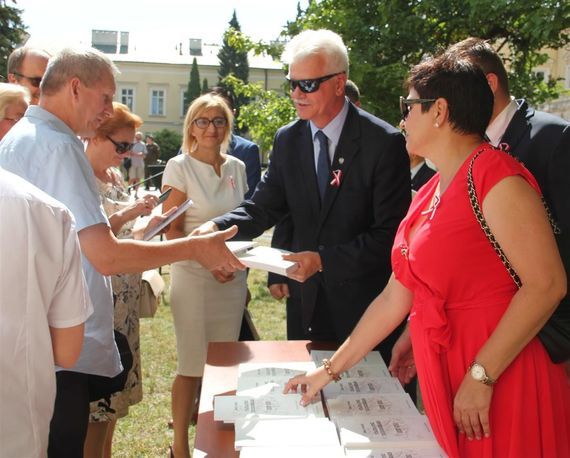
[[436, 124]]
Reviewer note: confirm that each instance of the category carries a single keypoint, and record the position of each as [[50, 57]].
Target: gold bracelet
[[333, 375]]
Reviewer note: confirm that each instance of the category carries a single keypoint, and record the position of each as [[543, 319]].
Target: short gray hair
[[322, 42], [88, 65], [10, 93]]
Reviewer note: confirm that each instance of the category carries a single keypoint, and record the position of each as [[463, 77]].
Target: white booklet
[[272, 406], [269, 259], [362, 386], [286, 369], [305, 432], [373, 358], [293, 452], [349, 405], [411, 431], [250, 386], [237, 247], [149, 234], [396, 452]]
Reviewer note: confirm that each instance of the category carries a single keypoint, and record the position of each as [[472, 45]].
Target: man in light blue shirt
[[76, 96]]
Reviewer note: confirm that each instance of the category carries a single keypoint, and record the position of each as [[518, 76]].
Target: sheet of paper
[[149, 234], [267, 258], [385, 431], [304, 432], [371, 405], [271, 406]]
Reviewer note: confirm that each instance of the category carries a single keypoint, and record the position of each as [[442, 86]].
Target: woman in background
[[206, 307], [489, 387], [14, 100]]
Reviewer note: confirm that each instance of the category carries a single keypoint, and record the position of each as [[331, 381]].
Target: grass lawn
[[144, 432]]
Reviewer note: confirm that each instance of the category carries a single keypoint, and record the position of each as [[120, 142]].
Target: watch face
[[477, 372]]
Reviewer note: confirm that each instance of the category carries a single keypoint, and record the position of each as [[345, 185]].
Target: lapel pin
[[337, 177], [341, 160]]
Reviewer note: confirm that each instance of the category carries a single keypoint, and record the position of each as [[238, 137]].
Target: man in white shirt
[[138, 154], [44, 302], [76, 95]]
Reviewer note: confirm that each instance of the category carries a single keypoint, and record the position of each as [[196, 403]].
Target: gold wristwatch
[[478, 373]]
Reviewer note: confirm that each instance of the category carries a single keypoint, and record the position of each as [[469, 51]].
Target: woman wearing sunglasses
[[488, 385], [105, 151], [206, 307]]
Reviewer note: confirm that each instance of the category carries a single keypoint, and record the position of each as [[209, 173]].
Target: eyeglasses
[[310, 85], [121, 147], [34, 80], [204, 123], [405, 105]]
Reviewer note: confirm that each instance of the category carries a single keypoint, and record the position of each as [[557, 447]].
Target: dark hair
[[351, 91], [224, 94], [462, 84], [482, 54]]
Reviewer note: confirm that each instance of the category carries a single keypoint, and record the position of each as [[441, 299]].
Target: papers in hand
[[150, 233], [267, 258]]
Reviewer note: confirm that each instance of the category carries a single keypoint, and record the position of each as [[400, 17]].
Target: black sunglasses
[[405, 105], [34, 80], [121, 147], [311, 85]]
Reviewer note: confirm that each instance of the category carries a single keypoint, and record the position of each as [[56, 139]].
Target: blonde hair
[[196, 108], [11, 93]]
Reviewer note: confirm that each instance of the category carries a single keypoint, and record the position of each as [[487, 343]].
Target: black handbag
[[555, 335], [101, 386]]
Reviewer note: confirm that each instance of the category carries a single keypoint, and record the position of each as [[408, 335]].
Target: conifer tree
[[193, 91]]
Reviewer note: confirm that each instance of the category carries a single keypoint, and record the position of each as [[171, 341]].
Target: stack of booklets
[[374, 416], [273, 423], [262, 257]]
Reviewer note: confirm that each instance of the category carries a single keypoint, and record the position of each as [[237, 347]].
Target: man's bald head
[[26, 67]]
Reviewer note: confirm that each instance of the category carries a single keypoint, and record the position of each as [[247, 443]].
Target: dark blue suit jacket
[[247, 152], [354, 228], [542, 142]]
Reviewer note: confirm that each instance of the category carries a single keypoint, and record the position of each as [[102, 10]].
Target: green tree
[[386, 37], [205, 86], [169, 142], [193, 90], [13, 32], [266, 112], [233, 61]]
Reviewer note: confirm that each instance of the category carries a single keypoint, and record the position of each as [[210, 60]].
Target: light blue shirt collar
[[332, 130]]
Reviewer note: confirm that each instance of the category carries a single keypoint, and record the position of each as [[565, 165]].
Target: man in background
[[353, 93], [137, 170], [151, 158], [26, 67]]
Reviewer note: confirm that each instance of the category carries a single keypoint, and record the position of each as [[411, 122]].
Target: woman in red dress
[[488, 385]]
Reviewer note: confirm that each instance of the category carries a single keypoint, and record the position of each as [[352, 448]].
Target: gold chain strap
[[485, 227]]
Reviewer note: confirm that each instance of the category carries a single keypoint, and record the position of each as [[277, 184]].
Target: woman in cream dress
[[206, 306]]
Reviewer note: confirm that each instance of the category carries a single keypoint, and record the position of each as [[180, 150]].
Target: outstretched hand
[[212, 253], [311, 383]]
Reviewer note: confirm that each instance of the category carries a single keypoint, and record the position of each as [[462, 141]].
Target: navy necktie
[[323, 163]]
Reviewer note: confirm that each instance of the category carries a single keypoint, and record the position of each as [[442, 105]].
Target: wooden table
[[215, 439]]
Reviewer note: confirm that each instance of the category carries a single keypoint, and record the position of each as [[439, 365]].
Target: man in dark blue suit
[[345, 190], [247, 152]]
